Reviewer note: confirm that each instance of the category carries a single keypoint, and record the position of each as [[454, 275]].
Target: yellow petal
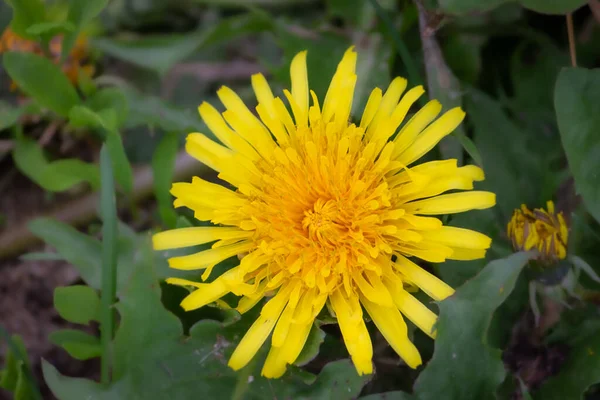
[[452, 203], [355, 334], [465, 254], [433, 286], [259, 331], [205, 294], [299, 78], [209, 257], [371, 108], [263, 92], [410, 131], [458, 237], [215, 122], [432, 135], [275, 364], [414, 310], [391, 325], [193, 236]]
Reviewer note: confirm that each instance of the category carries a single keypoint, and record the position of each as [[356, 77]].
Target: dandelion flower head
[[543, 230], [325, 213]]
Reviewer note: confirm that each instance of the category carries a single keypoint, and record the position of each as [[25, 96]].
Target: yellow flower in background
[[325, 212], [71, 66], [542, 230]]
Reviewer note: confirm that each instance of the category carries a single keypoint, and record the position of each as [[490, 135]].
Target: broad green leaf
[[42, 80], [80, 13], [55, 176], [462, 354], [110, 98], [541, 6], [576, 100], [9, 115], [83, 116], [50, 29], [78, 249], [154, 360], [558, 7], [163, 165], [78, 344], [25, 14], [77, 303], [581, 370], [160, 53], [512, 170]]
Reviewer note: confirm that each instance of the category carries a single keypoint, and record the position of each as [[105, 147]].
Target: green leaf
[[78, 304], [10, 374], [581, 370], [42, 80], [559, 7], [154, 360], [160, 53], [55, 176], [82, 251], [25, 14], [461, 351], [468, 6], [576, 100], [78, 344], [50, 29], [105, 122], [512, 170], [9, 115], [80, 13], [315, 339], [121, 165], [163, 165], [110, 98]]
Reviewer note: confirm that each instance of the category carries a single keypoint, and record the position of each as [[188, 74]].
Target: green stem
[[108, 212]]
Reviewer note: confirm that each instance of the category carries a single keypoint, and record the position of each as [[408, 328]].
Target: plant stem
[[108, 212], [571, 34]]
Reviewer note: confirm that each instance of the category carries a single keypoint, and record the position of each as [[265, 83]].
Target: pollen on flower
[[325, 211], [543, 230]]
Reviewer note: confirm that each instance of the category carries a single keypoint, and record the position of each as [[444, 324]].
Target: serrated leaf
[[55, 176], [463, 366], [25, 14], [42, 80], [78, 303], [160, 53], [576, 99], [163, 165], [78, 344], [154, 360]]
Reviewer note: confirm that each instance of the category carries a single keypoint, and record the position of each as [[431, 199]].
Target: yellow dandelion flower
[[542, 230], [326, 212]]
